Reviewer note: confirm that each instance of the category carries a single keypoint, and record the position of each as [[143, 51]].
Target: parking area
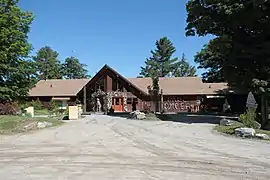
[[103, 147]]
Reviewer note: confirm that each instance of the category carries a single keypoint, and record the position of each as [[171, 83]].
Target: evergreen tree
[[48, 65], [184, 69], [16, 73], [161, 62], [73, 69]]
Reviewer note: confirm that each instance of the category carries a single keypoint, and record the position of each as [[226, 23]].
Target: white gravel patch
[[102, 147]]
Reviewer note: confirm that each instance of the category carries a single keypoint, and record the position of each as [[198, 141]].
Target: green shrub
[[24, 105], [36, 104], [249, 119], [53, 107], [229, 129]]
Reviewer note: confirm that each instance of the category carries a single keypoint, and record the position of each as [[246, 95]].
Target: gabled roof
[[110, 71], [58, 87], [138, 86]]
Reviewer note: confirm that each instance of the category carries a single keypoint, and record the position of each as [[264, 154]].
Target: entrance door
[[118, 104]]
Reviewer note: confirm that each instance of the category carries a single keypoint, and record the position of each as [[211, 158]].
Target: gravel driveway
[[102, 147]]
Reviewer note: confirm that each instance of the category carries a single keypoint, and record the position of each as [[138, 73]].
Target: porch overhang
[[61, 98]]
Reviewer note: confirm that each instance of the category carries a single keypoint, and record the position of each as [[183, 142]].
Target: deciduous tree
[[15, 71], [246, 26]]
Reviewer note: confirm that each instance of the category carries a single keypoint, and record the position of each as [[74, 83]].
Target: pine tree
[[47, 64], [15, 71], [161, 62], [73, 69], [184, 69]]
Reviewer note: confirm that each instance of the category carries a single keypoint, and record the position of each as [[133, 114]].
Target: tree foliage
[[48, 66], [244, 57], [161, 62], [184, 69], [15, 71], [213, 57], [73, 69]]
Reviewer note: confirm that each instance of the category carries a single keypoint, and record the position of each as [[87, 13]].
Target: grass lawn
[[13, 124], [42, 112], [230, 129], [260, 131]]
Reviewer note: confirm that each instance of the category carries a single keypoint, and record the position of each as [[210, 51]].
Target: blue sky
[[119, 33]]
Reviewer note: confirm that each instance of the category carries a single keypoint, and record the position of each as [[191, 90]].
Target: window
[[121, 87], [136, 100], [100, 84], [117, 101], [129, 101], [114, 85]]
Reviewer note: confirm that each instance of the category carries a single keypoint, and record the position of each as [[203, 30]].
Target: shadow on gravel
[[188, 118], [120, 114], [191, 118]]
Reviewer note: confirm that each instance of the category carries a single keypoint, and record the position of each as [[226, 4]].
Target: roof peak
[[62, 79]]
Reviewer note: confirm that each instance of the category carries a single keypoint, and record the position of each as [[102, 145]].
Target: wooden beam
[[161, 101], [84, 99]]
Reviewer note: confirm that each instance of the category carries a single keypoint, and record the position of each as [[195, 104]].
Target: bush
[[249, 119], [9, 109], [229, 129], [23, 106], [111, 111], [52, 107], [146, 109], [36, 104]]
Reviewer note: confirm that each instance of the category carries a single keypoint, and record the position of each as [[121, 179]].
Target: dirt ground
[[102, 147]]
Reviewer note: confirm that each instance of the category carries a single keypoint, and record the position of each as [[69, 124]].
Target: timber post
[[161, 100], [84, 99], [264, 109]]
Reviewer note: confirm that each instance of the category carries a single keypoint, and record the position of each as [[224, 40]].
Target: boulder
[[45, 124], [262, 136], [225, 122], [257, 125], [245, 132], [30, 126], [137, 115]]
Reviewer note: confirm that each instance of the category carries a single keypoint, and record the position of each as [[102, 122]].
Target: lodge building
[[178, 94]]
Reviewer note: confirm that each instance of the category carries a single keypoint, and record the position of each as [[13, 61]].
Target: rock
[[137, 115], [30, 126], [245, 132], [45, 124], [262, 136], [225, 122], [19, 112], [257, 125]]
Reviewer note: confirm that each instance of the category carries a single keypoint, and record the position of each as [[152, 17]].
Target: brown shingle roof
[[215, 88], [58, 87], [181, 85], [172, 86]]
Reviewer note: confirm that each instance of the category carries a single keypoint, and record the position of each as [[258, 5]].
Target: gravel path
[[102, 147]]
